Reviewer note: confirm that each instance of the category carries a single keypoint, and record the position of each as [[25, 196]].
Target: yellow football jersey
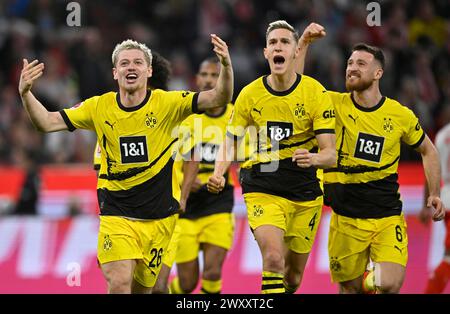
[[364, 182], [136, 150], [203, 134], [280, 123], [97, 160]]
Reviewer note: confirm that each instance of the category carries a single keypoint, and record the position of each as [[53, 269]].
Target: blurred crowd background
[[413, 34]]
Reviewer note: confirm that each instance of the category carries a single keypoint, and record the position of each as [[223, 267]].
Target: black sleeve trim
[[419, 141], [322, 131], [67, 121], [234, 137], [195, 104]]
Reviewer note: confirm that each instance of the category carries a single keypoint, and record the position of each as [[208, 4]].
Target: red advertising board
[[51, 253]]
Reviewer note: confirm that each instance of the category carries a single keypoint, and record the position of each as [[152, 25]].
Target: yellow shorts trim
[[353, 241], [216, 229], [299, 220], [171, 253], [146, 241]]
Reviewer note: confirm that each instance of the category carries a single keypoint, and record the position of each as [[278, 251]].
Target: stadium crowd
[[413, 34]]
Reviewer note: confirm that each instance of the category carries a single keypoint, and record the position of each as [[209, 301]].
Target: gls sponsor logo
[[327, 114]]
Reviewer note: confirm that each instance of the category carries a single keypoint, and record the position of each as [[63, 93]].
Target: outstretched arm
[[222, 93], [432, 167], [312, 32], [42, 119], [190, 170]]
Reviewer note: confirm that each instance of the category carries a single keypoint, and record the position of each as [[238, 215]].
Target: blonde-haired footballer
[[138, 196]]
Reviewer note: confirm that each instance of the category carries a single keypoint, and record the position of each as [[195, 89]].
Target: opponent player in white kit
[[441, 275]]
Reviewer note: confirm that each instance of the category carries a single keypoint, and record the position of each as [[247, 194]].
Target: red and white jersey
[[443, 145]]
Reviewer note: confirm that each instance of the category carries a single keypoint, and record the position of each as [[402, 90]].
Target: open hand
[[30, 72], [221, 50]]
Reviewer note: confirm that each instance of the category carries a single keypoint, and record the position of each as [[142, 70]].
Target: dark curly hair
[[162, 70]]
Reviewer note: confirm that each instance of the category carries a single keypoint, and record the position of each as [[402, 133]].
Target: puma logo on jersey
[[258, 111], [401, 250], [351, 117], [111, 125]]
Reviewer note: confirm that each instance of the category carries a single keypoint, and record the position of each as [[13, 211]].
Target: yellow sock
[[211, 286], [175, 286], [289, 289], [272, 283]]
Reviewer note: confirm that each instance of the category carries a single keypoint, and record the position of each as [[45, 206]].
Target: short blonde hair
[[132, 44], [282, 24]]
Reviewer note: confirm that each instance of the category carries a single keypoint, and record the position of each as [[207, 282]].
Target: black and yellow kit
[[282, 122], [206, 134], [97, 159], [364, 182], [137, 145]]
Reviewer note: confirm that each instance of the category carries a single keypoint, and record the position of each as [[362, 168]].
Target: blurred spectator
[[74, 207], [414, 35], [428, 24], [409, 96], [29, 194]]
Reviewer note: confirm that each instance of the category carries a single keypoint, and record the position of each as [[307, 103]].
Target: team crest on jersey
[[334, 264], [258, 211], [388, 126], [107, 243], [299, 111], [150, 120]]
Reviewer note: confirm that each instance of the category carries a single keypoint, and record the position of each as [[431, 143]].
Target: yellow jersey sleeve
[[97, 156], [186, 138], [413, 133], [81, 116], [336, 97], [182, 103], [240, 118], [323, 114], [246, 148]]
